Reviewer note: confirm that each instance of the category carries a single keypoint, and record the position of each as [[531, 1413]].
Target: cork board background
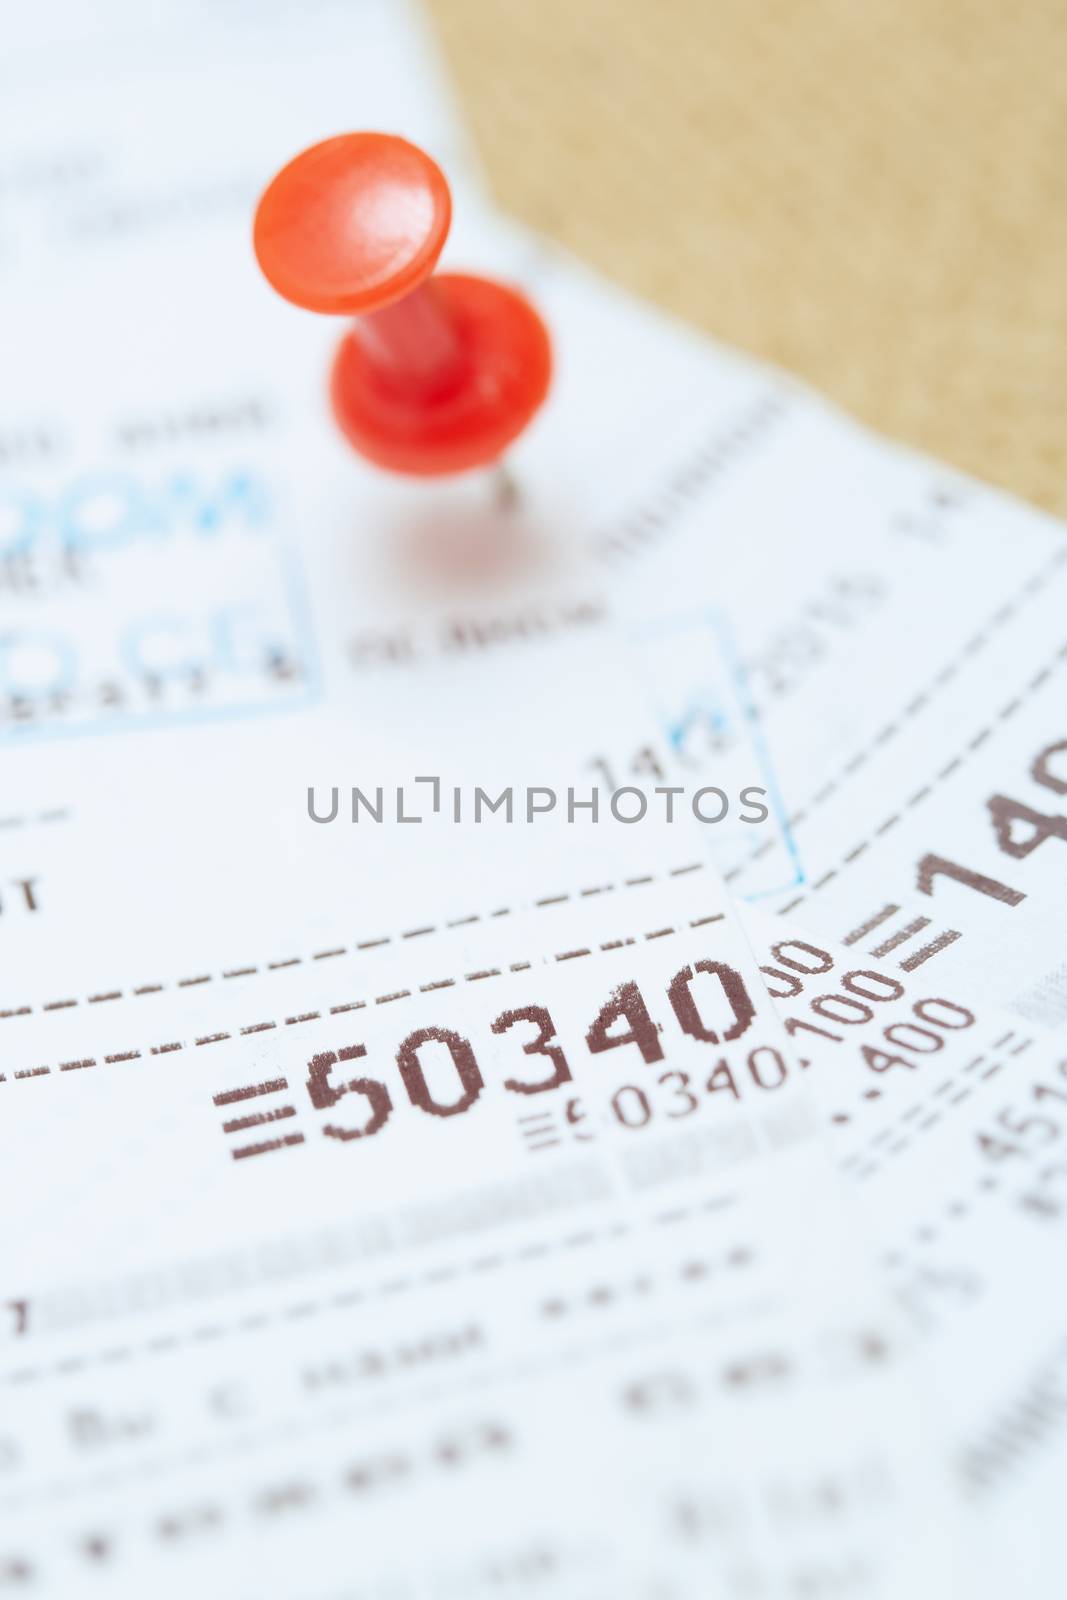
[[871, 193]]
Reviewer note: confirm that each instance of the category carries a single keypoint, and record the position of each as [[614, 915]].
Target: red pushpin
[[439, 372]]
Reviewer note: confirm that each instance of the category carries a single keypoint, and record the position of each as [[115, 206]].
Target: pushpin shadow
[[491, 542]]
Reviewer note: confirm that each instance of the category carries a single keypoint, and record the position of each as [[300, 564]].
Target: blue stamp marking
[[698, 686], [130, 601]]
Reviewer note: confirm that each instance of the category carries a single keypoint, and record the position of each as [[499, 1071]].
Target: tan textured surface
[[872, 193]]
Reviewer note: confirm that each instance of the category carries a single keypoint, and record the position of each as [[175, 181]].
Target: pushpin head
[[437, 374], [353, 223]]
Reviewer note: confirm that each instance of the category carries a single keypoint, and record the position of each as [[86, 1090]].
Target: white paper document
[[545, 1236], [948, 1123], [531, 1012]]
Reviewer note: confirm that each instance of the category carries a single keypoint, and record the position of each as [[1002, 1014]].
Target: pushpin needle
[[439, 372]]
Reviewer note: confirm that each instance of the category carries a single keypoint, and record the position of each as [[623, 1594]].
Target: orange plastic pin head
[[353, 223], [438, 373]]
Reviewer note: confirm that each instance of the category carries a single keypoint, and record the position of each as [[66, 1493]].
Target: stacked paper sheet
[[531, 1035]]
